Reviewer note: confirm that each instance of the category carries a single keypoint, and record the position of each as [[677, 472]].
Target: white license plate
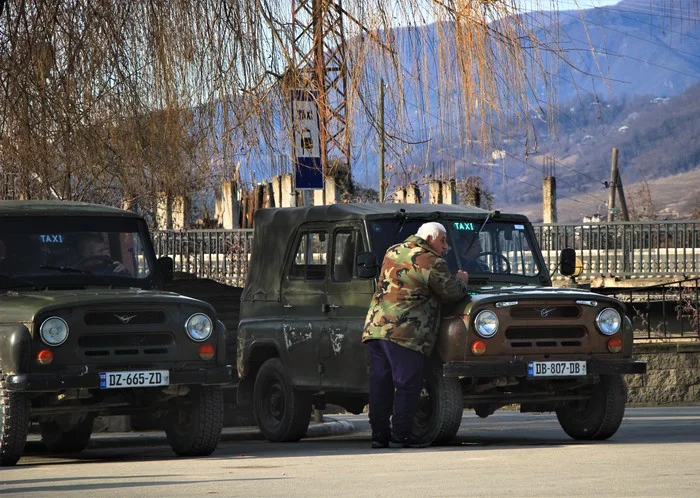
[[556, 368], [143, 378]]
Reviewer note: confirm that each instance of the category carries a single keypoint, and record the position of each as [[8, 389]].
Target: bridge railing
[[222, 255], [663, 311], [626, 249]]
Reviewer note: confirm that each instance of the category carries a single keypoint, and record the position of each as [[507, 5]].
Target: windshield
[[99, 250], [496, 248]]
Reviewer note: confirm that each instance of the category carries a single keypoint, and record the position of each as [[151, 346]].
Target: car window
[[346, 244], [310, 257], [51, 247]]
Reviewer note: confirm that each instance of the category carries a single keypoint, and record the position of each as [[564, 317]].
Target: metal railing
[[626, 249], [222, 255], [664, 311], [623, 249], [648, 249]]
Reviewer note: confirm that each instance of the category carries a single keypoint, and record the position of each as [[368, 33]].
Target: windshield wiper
[[22, 281], [65, 269]]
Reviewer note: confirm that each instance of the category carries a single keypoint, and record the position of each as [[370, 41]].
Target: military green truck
[[88, 334], [515, 340]]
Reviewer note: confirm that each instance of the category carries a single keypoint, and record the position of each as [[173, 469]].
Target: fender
[[255, 355], [15, 349]]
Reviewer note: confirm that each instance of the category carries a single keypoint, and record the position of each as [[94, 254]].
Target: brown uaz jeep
[[85, 330], [514, 340]]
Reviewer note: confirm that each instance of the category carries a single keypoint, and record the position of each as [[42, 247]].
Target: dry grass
[[673, 197]]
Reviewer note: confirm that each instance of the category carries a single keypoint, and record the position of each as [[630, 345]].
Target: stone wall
[[673, 374]]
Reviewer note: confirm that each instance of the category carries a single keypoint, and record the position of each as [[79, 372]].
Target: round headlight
[[608, 321], [199, 327], [486, 323], [54, 331]]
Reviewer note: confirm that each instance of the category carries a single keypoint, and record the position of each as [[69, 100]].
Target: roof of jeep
[[60, 208], [275, 226]]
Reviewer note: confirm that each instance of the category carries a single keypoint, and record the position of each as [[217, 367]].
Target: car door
[[342, 354], [303, 300]]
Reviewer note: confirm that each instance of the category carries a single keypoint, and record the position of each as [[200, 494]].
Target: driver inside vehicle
[[96, 255], [468, 250]]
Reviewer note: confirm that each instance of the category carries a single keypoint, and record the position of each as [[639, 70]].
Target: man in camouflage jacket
[[401, 330]]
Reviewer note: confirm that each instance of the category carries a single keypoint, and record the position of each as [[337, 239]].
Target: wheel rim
[[274, 402], [424, 411]]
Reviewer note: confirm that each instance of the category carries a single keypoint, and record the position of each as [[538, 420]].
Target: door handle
[[334, 306], [287, 306]]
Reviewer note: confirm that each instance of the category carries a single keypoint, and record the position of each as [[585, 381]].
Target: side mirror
[[165, 263], [569, 264], [366, 263]]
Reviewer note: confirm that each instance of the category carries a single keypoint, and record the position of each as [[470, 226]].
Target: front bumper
[[48, 382], [518, 368]]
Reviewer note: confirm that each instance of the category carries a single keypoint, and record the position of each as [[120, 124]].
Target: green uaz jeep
[[514, 340], [85, 331]]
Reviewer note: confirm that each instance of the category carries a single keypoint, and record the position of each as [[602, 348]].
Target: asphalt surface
[[656, 452], [331, 426]]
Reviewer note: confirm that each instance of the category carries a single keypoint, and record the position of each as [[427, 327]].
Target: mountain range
[[634, 87]]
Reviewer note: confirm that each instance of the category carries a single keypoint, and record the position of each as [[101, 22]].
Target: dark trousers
[[396, 380]]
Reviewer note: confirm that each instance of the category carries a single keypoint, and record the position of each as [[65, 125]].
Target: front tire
[[599, 417], [281, 412], [194, 425], [66, 434], [14, 424], [440, 408]]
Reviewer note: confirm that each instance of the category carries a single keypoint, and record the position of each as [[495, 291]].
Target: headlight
[[54, 331], [486, 323], [608, 321], [199, 327]]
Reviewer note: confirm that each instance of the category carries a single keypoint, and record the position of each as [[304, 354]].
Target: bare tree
[[122, 102]]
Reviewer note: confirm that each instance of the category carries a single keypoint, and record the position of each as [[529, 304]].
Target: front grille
[[550, 337], [540, 312], [126, 344], [101, 318]]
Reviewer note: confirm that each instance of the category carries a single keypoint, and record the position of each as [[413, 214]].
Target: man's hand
[[463, 276]]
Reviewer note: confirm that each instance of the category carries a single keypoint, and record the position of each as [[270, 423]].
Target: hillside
[[656, 139], [633, 89]]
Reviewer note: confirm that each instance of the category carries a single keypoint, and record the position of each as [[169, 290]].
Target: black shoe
[[410, 441], [379, 441]]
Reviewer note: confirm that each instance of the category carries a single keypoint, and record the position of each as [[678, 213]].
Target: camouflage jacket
[[405, 308]]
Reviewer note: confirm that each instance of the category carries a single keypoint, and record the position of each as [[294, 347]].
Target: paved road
[[656, 452]]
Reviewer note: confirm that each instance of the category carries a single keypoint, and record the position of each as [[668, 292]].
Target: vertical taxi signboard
[[307, 140]]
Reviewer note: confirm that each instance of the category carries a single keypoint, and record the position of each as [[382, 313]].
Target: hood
[[492, 293], [22, 306]]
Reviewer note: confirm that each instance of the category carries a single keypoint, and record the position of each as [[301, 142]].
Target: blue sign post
[[308, 170]]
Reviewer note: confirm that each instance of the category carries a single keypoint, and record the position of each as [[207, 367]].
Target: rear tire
[[440, 408], [281, 412], [599, 417], [194, 425], [66, 433], [14, 424]]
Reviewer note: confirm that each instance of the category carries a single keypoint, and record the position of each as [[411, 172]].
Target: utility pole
[[621, 195], [613, 182], [549, 192], [381, 141]]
